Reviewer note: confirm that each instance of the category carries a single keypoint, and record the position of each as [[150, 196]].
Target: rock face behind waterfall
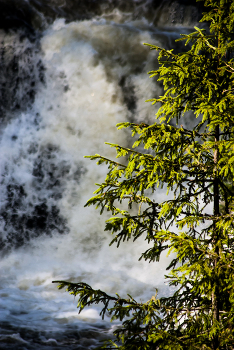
[[69, 71], [34, 14]]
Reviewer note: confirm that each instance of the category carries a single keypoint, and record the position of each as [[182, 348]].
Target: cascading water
[[62, 93]]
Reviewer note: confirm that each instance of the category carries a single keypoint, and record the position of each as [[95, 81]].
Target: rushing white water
[[95, 77]]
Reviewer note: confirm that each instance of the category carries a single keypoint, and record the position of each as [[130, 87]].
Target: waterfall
[[66, 81]]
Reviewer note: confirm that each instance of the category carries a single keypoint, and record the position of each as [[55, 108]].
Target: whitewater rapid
[[95, 76]]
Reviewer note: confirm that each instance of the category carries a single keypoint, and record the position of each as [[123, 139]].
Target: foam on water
[[95, 77]]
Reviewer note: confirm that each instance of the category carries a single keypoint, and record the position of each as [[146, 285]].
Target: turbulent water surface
[[70, 70]]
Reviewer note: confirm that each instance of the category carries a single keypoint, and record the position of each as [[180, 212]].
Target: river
[[69, 72]]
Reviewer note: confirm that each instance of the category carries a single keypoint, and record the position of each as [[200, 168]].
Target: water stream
[[63, 89]]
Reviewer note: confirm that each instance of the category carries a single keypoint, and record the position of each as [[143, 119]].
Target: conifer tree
[[197, 165]]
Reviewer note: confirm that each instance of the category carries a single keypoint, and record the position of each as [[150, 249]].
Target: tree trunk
[[215, 296]]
